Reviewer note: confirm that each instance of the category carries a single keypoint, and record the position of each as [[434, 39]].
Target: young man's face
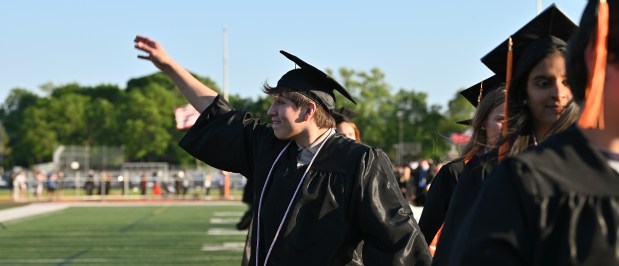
[[286, 117]]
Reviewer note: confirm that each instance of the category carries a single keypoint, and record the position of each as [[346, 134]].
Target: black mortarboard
[[313, 83], [549, 25], [466, 122], [590, 13], [477, 92], [343, 115]]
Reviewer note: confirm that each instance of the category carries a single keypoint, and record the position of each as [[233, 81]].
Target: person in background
[[208, 183], [557, 204], [89, 185], [421, 179], [488, 98], [60, 184], [344, 125], [40, 180], [19, 186], [538, 104], [52, 184], [143, 184]]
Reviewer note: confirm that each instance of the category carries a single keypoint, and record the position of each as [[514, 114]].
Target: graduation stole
[[281, 224]]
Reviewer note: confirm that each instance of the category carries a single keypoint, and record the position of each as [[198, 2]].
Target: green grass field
[[10, 205], [128, 235]]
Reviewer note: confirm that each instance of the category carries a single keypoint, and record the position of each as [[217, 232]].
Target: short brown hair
[[322, 118]]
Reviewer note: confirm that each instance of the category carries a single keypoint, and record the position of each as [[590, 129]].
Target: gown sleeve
[[391, 235], [225, 139], [438, 198], [499, 225]]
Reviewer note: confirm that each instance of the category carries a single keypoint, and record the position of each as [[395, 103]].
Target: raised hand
[[198, 94], [155, 51]]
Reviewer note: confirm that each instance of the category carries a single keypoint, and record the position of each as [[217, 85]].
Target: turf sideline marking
[[228, 214], [226, 246], [217, 220], [225, 232]]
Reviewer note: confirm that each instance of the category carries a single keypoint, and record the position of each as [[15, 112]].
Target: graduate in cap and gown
[[558, 204], [537, 105], [454, 189], [318, 194]]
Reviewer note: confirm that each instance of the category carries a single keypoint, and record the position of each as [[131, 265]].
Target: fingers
[[144, 44], [139, 44], [140, 38]]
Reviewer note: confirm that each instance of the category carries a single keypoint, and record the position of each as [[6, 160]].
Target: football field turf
[[126, 235]]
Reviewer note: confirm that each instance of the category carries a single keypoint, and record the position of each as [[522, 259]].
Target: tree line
[[140, 118]]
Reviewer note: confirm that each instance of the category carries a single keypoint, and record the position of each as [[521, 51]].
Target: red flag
[[185, 116], [460, 138]]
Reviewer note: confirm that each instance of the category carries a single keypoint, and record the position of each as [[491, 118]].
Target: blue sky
[[432, 46]]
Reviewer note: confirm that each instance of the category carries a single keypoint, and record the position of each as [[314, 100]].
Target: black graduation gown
[[555, 205], [438, 199], [349, 195], [465, 193]]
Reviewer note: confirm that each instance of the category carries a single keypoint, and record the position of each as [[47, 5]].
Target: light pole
[[400, 115]]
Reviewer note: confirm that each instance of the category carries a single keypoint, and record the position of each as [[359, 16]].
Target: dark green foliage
[[140, 118]]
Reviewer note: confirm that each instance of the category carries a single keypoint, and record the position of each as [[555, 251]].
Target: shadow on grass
[[68, 260]]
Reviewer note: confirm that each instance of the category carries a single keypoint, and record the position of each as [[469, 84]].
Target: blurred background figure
[[52, 184], [344, 125], [89, 186], [208, 184], [19, 186], [40, 180]]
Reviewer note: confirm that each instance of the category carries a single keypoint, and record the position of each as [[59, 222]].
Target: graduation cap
[[343, 115], [467, 122], [477, 92], [312, 83], [551, 25], [524, 49]]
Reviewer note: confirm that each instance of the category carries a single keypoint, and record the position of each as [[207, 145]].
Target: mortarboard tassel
[[434, 242], [481, 92], [592, 115], [508, 78]]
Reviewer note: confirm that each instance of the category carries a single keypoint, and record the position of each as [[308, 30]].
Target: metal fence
[[146, 181]]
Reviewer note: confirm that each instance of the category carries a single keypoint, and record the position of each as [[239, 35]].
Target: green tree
[[5, 149], [374, 105], [39, 136], [459, 109], [146, 116], [12, 116], [66, 116]]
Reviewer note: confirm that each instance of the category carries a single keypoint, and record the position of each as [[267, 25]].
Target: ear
[[309, 111]]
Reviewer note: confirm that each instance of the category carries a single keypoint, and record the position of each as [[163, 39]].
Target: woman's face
[[346, 129], [547, 91], [494, 124]]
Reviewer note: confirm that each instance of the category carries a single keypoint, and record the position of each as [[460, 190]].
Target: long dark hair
[[520, 120], [479, 138]]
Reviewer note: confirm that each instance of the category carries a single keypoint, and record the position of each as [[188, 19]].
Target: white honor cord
[[281, 224]]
